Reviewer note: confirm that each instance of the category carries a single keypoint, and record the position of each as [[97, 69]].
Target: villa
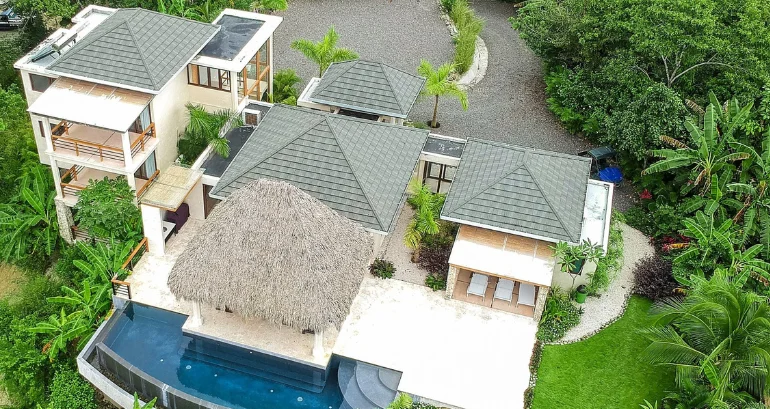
[[254, 290]]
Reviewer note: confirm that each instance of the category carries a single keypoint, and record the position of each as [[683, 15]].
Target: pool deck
[[449, 351], [149, 286]]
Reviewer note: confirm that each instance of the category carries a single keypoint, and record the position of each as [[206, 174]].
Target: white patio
[[450, 351]]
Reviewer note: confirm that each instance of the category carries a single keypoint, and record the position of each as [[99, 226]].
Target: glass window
[[39, 82], [208, 77], [203, 76]]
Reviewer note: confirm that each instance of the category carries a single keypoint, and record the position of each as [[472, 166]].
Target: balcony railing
[[73, 174], [72, 139]]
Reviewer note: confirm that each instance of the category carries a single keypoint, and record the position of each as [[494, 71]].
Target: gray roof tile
[[368, 87], [137, 48], [357, 167], [519, 189]]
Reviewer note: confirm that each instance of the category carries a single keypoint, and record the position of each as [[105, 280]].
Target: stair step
[[351, 393], [390, 378], [368, 379]]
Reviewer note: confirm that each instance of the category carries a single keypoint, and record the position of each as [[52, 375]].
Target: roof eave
[[504, 230], [357, 108]]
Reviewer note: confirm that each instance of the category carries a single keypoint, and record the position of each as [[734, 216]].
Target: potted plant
[[572, 259], [581, 293]]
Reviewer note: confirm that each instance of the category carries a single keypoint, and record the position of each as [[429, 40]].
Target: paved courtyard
[[450, 351]]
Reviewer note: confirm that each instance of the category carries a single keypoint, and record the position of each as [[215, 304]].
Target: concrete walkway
[[602, 311]]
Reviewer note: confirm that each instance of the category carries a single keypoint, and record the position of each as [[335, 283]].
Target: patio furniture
[[504, 290], [168, 228], [179, 217], [526, 295], [478, 285]]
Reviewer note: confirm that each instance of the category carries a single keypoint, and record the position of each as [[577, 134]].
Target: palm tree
[[438, 84], [324, 52], [29, 224], [718, 336], [209, 127], [284, 87], [427, 206], [710, 152]]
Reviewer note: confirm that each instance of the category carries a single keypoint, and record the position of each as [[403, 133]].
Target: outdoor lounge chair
[[504, 290], [526, 294], [478, 285]]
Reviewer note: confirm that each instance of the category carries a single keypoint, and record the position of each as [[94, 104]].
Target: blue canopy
[[611, 174]]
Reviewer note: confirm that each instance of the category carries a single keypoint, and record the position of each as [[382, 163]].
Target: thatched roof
[[275, 252]]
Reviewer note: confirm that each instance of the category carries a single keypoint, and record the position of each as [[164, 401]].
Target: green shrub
[[106, 209], [436, 281], [447, 5], [382, 268], [559, 316], [69, 391], [468, 27], [608, 266]]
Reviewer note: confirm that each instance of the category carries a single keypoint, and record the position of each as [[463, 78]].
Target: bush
[[435, 259], [608, 266], [559, 316], [382, 268], [106, 209], [436, 282], [70, 391], [468, 27], [447, 5], [653, 277]]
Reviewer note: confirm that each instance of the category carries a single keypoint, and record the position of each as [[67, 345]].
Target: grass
[[604, 371], [10, 279]]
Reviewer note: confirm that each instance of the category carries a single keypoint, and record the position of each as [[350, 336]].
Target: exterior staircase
[[366, 386]]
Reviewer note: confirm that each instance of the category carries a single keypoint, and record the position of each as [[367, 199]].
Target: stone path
[[400, 255], [602, 311]]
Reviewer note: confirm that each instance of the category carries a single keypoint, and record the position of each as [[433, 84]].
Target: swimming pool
[[152, 340]]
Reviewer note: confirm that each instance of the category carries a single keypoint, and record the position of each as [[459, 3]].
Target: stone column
[[152, 224], [318, 345], [56, 178], [196, 319], [451, 280], [542, 295], [64, 214]]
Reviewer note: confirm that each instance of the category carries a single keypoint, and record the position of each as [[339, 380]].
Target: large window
[[40, 83], [253, 80], [438, 177], [208, 77]]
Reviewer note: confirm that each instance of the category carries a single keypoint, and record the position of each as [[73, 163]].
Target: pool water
[[152, 340]]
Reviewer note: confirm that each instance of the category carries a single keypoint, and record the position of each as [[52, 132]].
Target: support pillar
[[64, 216], [451, 280], [318, 345], [56, 177], [152, 223], [196, 319], [542, 295], [127, 158]]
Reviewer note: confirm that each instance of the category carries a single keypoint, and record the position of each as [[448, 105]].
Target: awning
[[171, 187], [503, 255], [91, 104]]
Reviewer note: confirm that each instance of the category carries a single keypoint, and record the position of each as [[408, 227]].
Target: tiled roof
[[137, 48], [357, 167], [519, 190], [368, 87]]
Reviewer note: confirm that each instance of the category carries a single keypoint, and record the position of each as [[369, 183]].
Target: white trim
[[209, 180], [263, 35], [440, 159], [514, 232], [449, 138]]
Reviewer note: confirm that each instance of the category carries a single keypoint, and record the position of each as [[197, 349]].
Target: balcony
[[77, 178], [101, 146]]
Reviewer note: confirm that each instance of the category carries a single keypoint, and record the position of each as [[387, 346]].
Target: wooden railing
[[110, 152], [147, 184], [143, 138], [62, 125], [69, 188], [123, 288]]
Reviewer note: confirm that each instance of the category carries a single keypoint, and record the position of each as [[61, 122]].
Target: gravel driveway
[[508, 105]]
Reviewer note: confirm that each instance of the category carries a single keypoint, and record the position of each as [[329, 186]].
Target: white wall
[[564, 280], [31, 96], [211, 99], [170, 116]]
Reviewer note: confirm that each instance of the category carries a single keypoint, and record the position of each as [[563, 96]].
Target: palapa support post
[[196, 320], [318, 345]]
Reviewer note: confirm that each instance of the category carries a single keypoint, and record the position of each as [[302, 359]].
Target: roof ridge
[[350, 118], [353, 172], [271, 153], [90, 38], [319, 89], [505, 175], [189, 20], [141, 54], [390, 86], [529, 149], [545, 197]]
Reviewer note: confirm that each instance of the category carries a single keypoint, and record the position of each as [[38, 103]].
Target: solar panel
[[43, 52]]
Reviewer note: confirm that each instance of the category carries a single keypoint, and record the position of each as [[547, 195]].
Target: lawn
[[604, 371], [10, 279]]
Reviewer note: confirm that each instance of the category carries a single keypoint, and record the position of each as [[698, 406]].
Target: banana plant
[[709, 153], [62, 328], [710, 240], [103, 262], [148, 405], [28, 223]]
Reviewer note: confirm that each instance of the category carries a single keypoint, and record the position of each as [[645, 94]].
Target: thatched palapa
[[273, 251]]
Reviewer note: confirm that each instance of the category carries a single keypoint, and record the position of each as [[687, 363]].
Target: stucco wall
[[210, 99], [31, 97], [564, 280], [170, 116]]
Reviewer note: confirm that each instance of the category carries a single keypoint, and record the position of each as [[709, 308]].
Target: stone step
[[351, 393], [368, 378], [390, 378]]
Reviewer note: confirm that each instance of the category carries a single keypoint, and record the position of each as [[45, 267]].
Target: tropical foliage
[[204, 129], [618, 71], [269, 6], [285, 87], [28, 223], [438, 84], [718, 340], [106, 209], [468, 28], [427, 206], [559, 315], [324, 52]]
